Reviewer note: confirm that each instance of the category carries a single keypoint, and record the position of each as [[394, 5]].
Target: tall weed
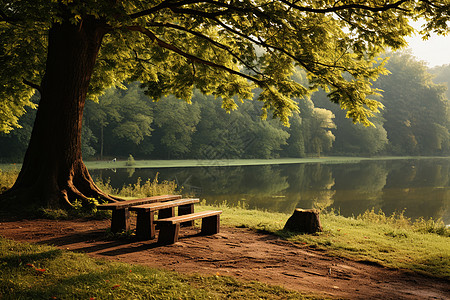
[[7, 179], [431, 226], [398, 220], [141, 189]]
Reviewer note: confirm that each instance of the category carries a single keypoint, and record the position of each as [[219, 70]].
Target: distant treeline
[[415, 121]]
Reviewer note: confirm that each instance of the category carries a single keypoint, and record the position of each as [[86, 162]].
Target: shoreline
[[187, 163]]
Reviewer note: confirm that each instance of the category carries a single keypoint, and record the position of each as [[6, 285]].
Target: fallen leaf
[[40, 271], [115, 287]]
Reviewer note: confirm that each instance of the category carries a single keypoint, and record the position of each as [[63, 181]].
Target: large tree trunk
[[53, 173]]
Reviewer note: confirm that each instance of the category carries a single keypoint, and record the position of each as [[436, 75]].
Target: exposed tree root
[[58, 192], [65, 198]]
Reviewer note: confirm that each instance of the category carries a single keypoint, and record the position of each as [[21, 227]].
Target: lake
[[419, 187]]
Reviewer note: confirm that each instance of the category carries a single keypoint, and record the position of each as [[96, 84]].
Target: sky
[[435, 51]]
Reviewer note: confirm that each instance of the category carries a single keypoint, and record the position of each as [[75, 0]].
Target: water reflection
[[419, 187], [359, 186]]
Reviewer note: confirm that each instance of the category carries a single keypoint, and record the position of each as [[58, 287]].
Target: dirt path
[[240, 253]]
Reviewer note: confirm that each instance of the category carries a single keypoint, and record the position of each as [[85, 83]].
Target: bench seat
[[145, 226], [170, 227], [120, 220]]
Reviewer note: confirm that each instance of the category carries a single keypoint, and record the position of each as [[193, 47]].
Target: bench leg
[[185, 210], [210, 225], [145, 228], [168, 234], [165, 213], [120, 220]]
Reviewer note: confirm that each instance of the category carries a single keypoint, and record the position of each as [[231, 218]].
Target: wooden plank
[[189, 217], [170, 227], [163, 205], [129, 203]]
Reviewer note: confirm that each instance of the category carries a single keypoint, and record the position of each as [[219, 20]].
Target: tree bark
[[53, 173]]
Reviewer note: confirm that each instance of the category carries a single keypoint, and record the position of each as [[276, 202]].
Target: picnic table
[[165, 205], [145, 220], [120, 220]]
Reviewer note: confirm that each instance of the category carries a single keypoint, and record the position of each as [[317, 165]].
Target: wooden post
[[145, 228], [185, 210], [210, 225], [168, 234], [305, 221], [120, 220]]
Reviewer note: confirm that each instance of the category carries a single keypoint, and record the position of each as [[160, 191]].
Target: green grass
[[44, 272], [385, 244], [395, 241]]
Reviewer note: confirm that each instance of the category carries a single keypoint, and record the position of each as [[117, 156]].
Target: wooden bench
[[120, 220], [170, 227], [145, 226]]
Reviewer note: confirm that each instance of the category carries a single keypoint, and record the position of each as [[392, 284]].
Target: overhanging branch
[[395, 5], [208, 39], [305, 65], [162, 5], [250, 9], [191, 57], [265, 45]]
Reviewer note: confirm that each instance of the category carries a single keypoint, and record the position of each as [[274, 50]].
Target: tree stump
[[304, 220]]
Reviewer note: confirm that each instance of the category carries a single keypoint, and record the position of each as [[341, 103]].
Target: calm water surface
[[419, 187]]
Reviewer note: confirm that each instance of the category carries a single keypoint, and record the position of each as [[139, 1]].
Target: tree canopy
[[224, 48], [69, 50]]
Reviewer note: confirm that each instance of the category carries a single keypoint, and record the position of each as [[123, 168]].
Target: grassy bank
[[392, 241], [44, 272]]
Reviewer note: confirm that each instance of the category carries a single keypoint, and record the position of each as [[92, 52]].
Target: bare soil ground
[[237, 252]]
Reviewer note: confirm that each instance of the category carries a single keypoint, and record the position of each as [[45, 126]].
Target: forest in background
[[415, 121]]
